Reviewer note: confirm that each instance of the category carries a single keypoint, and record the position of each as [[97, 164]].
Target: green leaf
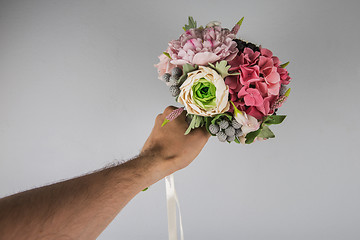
[[186, 69], [207, 124], [274, 119], [145, 189], [222, 68], [236, 110], [250, 137], [221, 115], [266, 133], [284, 64], [287, 93], [212, 65], [191, 126], [236, 28], [192, 24], [240, 22], [237, 140], [234, 74], [197, 121], [167, 54], [165, 122]]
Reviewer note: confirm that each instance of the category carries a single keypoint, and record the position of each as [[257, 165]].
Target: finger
[[207, 134], [172, 113], [169, 109], [204, 132], [159, 120]]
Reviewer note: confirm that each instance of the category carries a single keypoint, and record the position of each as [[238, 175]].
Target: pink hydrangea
[[247, 58], [251, 96], [256, 89], [284, 75], [202, 46]]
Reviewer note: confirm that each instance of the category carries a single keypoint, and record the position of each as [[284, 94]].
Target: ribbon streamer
[[172, 203]]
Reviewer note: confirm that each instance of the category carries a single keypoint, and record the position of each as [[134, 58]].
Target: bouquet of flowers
[[232, 87]]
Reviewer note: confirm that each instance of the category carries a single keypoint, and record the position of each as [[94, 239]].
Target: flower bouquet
[[232, 87]]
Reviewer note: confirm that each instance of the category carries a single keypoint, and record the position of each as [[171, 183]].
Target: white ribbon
[[172, 203]]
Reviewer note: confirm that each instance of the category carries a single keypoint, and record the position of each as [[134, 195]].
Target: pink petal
[[231, 56], [249, 100], [235, 29], [265, 107], [188, 45], [276, 61], [252, 111], [248, 51], [236, 62], [274, 88], [284, 75], [178, 62], [204, 58], [208, 44], [242, 91], [273, 77], [266, 52], [262, 87], [182, 53], [257, 96], [239, 105], [233, 97], [163, 66], [265, 63], [249, 74], [270, 99], [232, 82]]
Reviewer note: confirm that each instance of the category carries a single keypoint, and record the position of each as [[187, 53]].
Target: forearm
[[79, 208]]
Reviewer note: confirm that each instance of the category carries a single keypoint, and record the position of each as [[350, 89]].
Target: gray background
[[78, 91]]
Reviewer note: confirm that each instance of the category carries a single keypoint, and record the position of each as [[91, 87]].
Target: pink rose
[[164, 66]]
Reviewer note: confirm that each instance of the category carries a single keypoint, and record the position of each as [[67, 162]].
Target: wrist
[[158, 164]]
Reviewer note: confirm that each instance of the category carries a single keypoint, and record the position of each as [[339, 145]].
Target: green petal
[[204, 94]]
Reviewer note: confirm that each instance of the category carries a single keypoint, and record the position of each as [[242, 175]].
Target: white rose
[[190, 99]]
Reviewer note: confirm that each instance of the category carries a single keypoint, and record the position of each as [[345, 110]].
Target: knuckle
[[158, 117], [169, 109]]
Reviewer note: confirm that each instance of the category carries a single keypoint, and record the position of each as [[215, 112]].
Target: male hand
[[170, 143]]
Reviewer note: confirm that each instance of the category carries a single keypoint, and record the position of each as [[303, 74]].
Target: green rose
[[204, 94]]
